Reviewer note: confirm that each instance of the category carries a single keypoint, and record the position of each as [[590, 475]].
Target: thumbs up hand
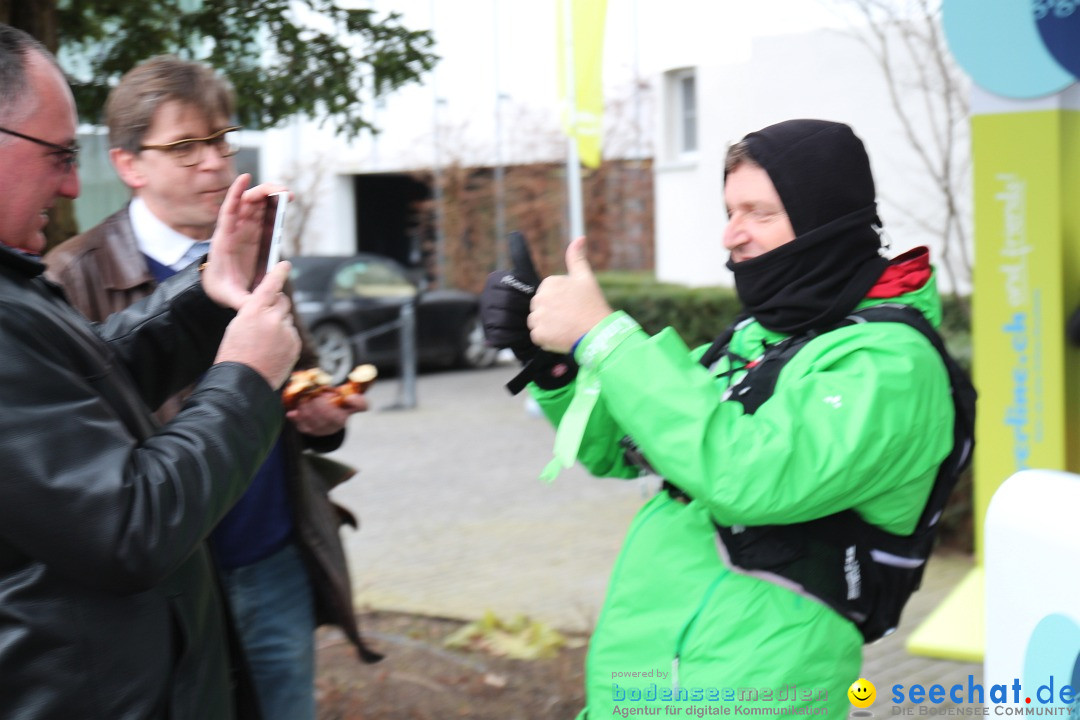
[[566, 307]]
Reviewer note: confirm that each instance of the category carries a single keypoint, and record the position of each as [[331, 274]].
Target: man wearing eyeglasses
[[278, 550], [109, 606]]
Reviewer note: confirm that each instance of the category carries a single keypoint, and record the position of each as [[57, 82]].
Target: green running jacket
[[860, 418]]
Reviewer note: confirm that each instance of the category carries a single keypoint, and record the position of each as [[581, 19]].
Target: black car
[[351, 306]]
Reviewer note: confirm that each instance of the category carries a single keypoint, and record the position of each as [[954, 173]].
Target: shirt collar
[[156, 239]]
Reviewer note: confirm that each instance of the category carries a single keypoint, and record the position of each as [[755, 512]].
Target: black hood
[[820, 170], [822, 173]]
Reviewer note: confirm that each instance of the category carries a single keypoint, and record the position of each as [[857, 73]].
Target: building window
[[683, 113], [688, 108]]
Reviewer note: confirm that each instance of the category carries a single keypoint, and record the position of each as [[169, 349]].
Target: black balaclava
[[822, 174]]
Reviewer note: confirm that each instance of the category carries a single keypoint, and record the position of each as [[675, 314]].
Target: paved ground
[[454, 521]]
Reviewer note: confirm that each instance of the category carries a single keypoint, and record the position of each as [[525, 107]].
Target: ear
[[128, 167]]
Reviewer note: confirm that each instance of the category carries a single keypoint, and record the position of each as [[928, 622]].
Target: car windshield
[[372, 279], [312, 274]]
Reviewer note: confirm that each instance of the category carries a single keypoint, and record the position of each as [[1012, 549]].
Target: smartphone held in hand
[[273, 228]]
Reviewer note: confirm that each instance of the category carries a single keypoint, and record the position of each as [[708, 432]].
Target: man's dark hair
[[15, 48]]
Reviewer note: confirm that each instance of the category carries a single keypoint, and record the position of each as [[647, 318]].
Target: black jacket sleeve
[[92, 487], [167, 339]]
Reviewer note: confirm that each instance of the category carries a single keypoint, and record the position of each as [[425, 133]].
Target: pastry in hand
[[304, 384], [357, 383]]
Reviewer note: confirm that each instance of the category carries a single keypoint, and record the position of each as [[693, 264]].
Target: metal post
[[573, 163], [441, 264], [500, 192], [440, 212], [500, 195], [407, 336]]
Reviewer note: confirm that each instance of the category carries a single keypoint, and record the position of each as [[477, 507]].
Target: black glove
[[504, 311]]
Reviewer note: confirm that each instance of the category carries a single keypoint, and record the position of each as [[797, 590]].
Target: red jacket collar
[[905, 274]]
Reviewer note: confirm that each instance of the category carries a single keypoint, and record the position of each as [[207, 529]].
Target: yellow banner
[[583, 119]]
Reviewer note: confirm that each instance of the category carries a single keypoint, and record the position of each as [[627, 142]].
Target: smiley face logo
[[862, 693]]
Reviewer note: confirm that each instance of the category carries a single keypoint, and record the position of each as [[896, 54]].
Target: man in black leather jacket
[[278, 550], [108, 607]]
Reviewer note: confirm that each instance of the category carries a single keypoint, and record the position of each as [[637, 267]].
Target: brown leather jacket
[[103, 271]]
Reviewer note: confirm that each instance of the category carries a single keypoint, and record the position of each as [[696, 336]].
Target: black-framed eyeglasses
[[189, 151], [65, 156]]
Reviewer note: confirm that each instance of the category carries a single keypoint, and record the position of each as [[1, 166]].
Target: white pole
[[500, 194], [573, 164], [638, 148]]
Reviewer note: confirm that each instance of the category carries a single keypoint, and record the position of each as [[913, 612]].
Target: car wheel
[[336, 355], [474, 352]]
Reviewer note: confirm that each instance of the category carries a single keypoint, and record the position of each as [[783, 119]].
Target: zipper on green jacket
[[686, 630]]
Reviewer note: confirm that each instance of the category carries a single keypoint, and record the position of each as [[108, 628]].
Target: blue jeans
[[275, 616]]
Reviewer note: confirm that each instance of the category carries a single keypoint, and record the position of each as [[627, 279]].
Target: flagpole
[[441, 264], [499, 173], [573, 162]]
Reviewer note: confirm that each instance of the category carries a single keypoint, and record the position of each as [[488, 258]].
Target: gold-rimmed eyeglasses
[[64, 156], [189, 151]]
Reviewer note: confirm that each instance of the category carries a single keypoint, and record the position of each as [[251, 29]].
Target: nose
[[211, 159], [69, 186], [734, 233]]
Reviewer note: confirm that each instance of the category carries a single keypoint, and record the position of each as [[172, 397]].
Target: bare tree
[[929, 95]]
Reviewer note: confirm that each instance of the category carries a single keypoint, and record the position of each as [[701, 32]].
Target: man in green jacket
[[860, 418]]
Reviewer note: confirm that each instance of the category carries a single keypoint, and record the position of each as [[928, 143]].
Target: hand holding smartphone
[[273, 227]]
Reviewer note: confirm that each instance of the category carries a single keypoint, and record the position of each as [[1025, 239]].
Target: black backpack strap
[[757, 385], [963, 395], [720, 344]]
